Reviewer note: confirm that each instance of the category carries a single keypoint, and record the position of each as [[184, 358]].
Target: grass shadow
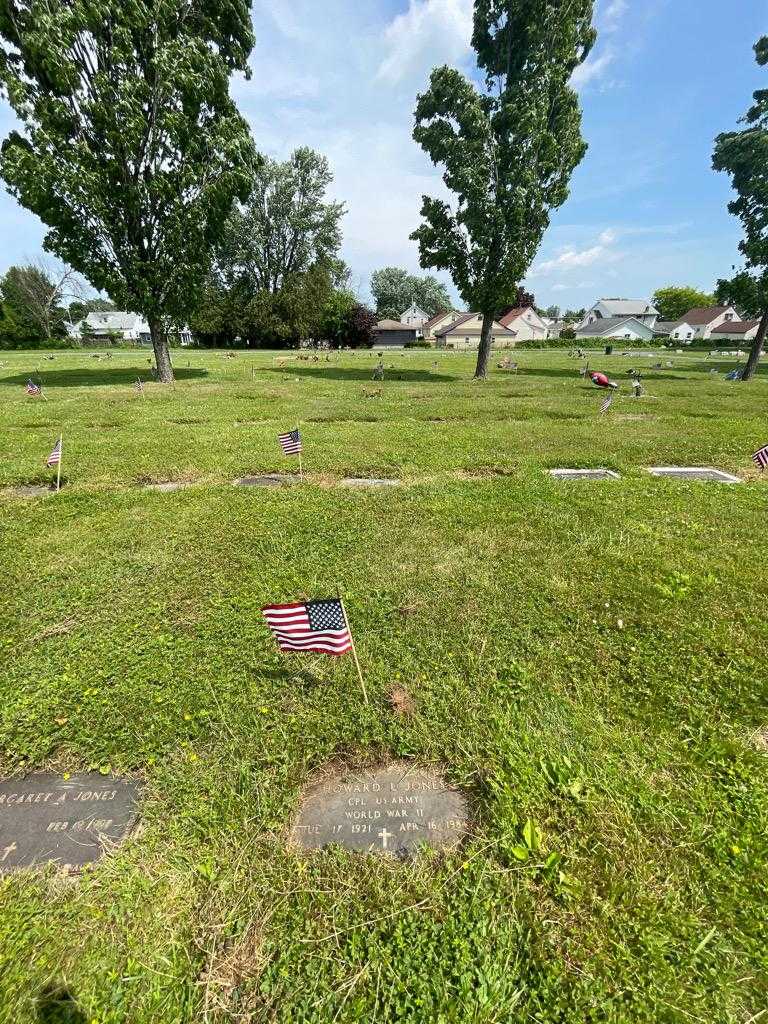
[[56, 1005], [102, 376], [363, 373]]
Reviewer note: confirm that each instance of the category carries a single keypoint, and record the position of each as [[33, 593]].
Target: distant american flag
[[607, 402], [290, 443], [760, 458], [55, 457], [318, 627], [138, 386], [33, 389]]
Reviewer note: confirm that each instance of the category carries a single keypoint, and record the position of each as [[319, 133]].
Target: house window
[[729, 316]]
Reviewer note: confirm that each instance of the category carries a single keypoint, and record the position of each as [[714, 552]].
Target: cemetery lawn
[[586, 659]]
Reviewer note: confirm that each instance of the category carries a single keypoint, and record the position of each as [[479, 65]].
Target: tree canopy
[[131, 150], [745, 292], [31, 310], [394, 290], [674, 301], [508, 148], [744, 156]]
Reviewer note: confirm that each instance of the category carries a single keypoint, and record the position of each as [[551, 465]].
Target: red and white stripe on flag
[[55, 457], [318, 627], [760, 458]]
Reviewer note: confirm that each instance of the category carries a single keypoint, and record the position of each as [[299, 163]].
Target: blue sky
[[645, 208]]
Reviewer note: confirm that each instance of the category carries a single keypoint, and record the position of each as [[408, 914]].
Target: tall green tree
[[746, 292], [744, 156], [394, 290], [508, 148], [674, 301], [31, 311], [286, 227], [132, 151]]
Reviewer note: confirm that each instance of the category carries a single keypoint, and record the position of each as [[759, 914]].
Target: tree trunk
[[757, 347], [484, 350], [162, 352]]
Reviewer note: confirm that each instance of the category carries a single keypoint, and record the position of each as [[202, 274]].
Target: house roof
[[704, 315], [393, 325], [737, 326], [511, 315], [439, 316], [109, 320], [628, 307], [667, 326], [607, 324], [471, 331]]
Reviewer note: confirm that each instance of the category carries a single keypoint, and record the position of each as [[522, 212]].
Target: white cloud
[[571, 258], [594, 67], [613, 15], [427, 28]]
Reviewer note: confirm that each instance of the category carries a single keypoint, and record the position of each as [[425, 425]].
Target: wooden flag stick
[[301, 465], [58, 468], [352, 641]]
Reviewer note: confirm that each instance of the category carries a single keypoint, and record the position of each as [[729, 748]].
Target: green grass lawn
[[590, 656]]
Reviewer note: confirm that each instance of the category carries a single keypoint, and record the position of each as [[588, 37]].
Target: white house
[[438, 321], [414, 316], [104, 326], [464, 333], [706, 319], [622, 328], [736, 330], [675, 330], [611, 309], [525, 323]]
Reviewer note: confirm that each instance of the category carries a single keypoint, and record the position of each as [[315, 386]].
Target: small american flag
[[290, 443], [607, 403], [760, 458], [138, 386], [318, 627], [33, 389], [55, 457]]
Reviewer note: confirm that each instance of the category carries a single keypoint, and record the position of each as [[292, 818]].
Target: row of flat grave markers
[[391, 809]]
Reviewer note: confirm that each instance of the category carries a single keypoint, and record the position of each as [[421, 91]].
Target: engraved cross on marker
[[384, 836]]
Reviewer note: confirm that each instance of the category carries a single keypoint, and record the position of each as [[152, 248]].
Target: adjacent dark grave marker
[[391, 809], [695, 473], [270, 480], [69, 821], [353, 481], [584, 474]]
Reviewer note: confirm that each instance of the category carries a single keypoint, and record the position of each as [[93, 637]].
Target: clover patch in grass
[[391, 810]]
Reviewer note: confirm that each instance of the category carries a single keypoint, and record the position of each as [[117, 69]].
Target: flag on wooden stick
[[54, 459], [318, 627], [139, 386], [606, 404], [33, 389], [291, 442], [760, 458]]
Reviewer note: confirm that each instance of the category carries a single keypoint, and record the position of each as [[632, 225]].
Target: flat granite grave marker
[[695, 473], [390, 809], [70, 821], [359, 481], [584, 474], [269, 480]]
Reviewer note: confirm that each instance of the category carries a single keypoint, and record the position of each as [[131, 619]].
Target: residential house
[[393, 334], [525, 323], [113, 327], [465, 332], [736, 330], [414, 316], [675, 330], [611, 309], [621, 328], [438, 321], [705, 319]]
